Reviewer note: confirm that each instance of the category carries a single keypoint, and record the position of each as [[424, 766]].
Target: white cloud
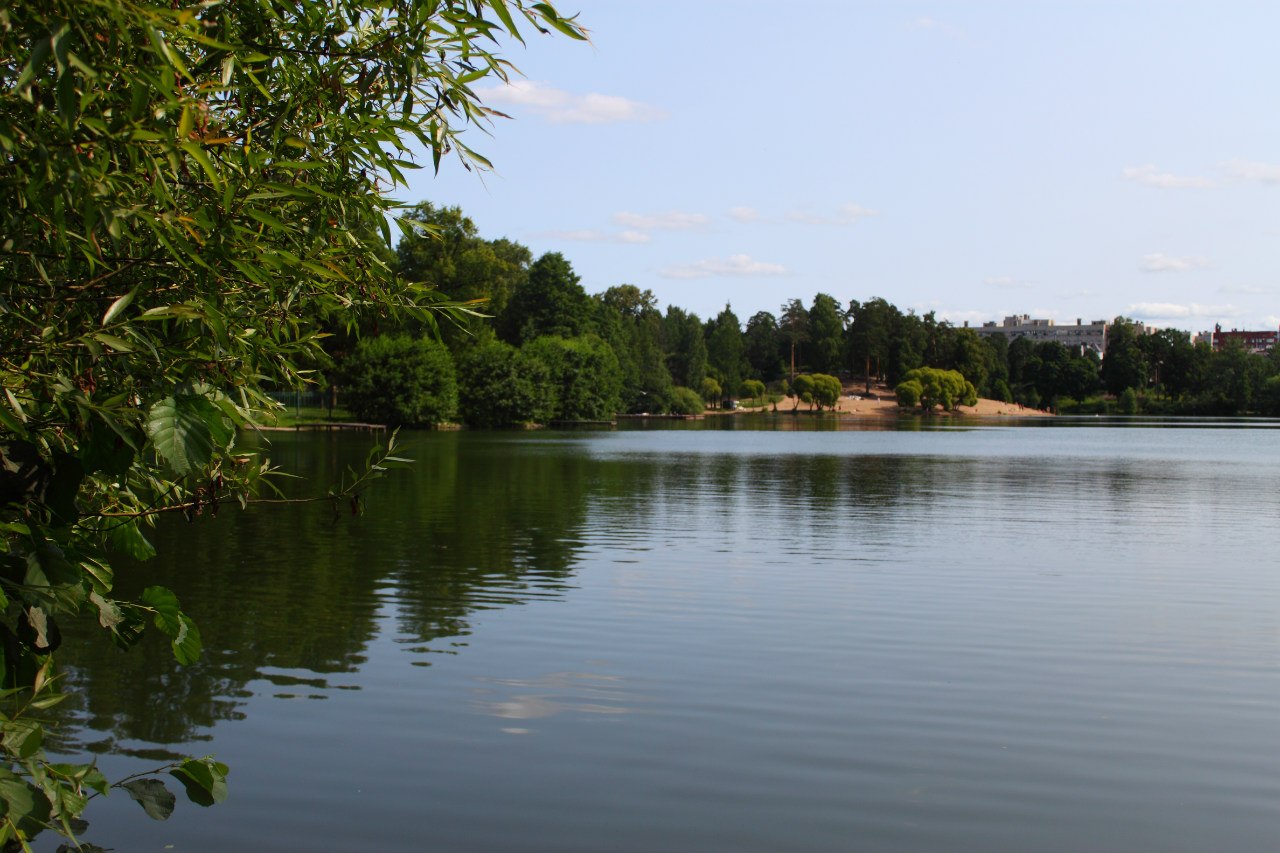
[[852, 211], [959, 318], [561, 107], [734, 265], [1247, 170], [1153, 177], [1160, 262], [1246, 289], [744, 214], [674, 220], [590, 235], [1174, 311], [932, 24], [846, 214]]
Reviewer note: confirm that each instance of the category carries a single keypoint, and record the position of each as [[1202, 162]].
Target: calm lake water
[[698, 638]]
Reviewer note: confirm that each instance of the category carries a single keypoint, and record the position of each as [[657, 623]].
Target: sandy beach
[[884, 403]]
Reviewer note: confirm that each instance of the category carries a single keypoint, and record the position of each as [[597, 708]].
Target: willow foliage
[[192, 192]]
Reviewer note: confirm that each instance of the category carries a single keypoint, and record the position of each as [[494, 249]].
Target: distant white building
[[1080, 336]]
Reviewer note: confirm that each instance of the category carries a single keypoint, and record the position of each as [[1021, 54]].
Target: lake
[[741, 634]]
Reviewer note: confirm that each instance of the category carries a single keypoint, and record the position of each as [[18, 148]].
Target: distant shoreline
[[886, 405]]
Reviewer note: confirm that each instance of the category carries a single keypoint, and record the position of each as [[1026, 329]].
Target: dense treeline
[[539, 348]]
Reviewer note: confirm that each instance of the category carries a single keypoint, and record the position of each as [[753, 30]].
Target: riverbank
[[883, 403]]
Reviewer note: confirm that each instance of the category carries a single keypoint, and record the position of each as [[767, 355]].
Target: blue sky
[[977, 159]]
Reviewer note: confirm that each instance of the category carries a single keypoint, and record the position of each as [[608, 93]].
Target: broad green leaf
[[99, 573], [180, 434], [47, 566], [167, 609], [156, 800], [169, 618], [110, 616], [26, 806], [126, 537], [204, 779], [23, 738]]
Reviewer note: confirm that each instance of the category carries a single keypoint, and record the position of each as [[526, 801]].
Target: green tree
[[582, 377], [685, 401], [400, 380], [191, 191], [725, 350], [442, 249], [685, 347], [802, 388], [1234, 377], [710, 390], [752, 389], [826, 390], [763, 346], [825, 350], [550, 302], [997, 357], [970, 356], [937, 387], [628, 319], [907, 344], [1124, 365], [794, 325], [499, 386], [909, 393], [871, 330]]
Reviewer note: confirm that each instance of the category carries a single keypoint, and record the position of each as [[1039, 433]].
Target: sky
[[1066, 160]]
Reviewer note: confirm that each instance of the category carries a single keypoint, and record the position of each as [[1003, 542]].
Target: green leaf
[[23, 738], [156, 800], [204, 779], [127, 538], [26, 806], [119, 305], [47, 566], [99, 573], [169, 618], [110, 616], [117, 344], [180, 433], [166, 607], [500, 7]]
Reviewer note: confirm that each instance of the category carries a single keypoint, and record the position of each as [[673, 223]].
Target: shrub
[[909, 393], [1127, 402], [499, 386], [583, 379], [826, 390], [711, 391], [399, 380], [685, 401]]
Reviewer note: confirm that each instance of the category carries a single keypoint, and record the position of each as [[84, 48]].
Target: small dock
[[582, 424], [327, 426], [663, 417]]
